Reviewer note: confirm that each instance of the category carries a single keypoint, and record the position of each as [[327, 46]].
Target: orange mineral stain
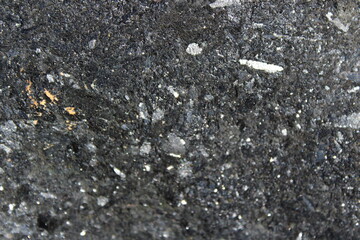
[[28, 87], [51, 96], [43, 103], [70, 110]]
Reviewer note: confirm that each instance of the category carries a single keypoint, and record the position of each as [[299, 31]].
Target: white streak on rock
[[173, 92], [349, 121], [174, 155], [5, 148], [337, 22], [354, 90], [64, 74], [224, 3], [48, 195], [270, 68], [118, 172]]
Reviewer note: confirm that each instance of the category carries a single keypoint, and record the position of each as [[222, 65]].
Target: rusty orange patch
[[70, 110], [28, 87], [70, 125], [51, 96], [43, 102]]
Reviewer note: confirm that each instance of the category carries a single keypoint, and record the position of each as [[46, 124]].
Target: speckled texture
[[111, 129]]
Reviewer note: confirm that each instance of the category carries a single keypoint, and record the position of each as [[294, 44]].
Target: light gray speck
[[124, 127], [224, 3], [50, 78], [8, 127], [208, 97], [337, 22], [93, 162], [203, 151], [174, 145], [143, 113], [157, 115], [92, 44], [102, 201], [91, 147], [194, 49], [300, 236], [340, 137], [5, 148], [349, 121], [145, 149], [185, 169]]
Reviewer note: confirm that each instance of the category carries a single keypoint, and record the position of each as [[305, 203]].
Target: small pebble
[[50, 78], [83, 233], [102, 201], [92, 44], [145, 149], [194, 49]]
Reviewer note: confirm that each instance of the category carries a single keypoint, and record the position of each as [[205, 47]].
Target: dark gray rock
[[156, 119]]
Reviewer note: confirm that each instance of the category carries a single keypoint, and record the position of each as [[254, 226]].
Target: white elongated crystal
[[270, 68], [224, 3]]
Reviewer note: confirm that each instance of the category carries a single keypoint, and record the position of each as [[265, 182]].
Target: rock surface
[[111, 127]]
